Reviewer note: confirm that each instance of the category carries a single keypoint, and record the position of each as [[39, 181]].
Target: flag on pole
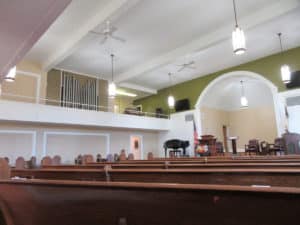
[[196, 141]]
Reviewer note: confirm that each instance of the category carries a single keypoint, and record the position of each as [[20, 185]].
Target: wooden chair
[[46, 161], [116, 157], [252, 147], [123, 155], [130, 156], [56, 160], [150, 156], [79, 159], [278, 147], [109, 158], [292, 143], [219, 148], [4, 169], [7, 159], [98, 158], [20, 163], [87, 159], [32, 163]]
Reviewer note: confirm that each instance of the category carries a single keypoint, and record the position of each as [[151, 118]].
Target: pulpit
[[233, 142], [210, 142]]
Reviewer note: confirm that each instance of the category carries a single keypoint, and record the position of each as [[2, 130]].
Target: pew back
[[108, 203]]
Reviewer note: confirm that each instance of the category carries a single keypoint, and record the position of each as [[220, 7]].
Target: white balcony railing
[[29, 109]]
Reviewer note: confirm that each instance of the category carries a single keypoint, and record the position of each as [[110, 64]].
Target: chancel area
[[143, 112]]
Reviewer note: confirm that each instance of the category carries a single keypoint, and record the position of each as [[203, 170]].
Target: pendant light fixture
[[244, 100], [285, 69], [238, 36], [11, 76], [171, 99], [112, 86]]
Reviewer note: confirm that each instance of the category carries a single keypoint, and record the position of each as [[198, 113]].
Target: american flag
[[196, 141]]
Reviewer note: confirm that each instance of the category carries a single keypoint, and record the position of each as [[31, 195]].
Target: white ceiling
[[163, 34], [226, 94]]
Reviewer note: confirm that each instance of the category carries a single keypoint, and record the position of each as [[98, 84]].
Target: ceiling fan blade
[[190, 63], [191, 67], [96, 33], [113, 29], [118, 38], [182, 68], [103, 40]]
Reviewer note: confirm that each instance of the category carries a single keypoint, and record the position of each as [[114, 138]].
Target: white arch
[[278, 105], [257, 76]]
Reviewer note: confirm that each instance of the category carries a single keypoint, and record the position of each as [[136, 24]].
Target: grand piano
[[175, 145]]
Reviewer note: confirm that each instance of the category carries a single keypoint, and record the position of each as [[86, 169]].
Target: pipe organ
[[78, 93]]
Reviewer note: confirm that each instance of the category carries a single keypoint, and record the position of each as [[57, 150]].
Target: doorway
[[136, 146]]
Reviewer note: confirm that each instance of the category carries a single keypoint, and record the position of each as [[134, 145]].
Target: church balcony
[[23, 109]]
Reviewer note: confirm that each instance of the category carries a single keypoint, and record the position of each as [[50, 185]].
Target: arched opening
[[221, 114]]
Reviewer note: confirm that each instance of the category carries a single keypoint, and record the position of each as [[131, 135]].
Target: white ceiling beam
[[67, 47], [219, 35], [138, 88]]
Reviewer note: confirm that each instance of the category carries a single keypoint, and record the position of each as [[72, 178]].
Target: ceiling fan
[[108, 33], [189, 65]]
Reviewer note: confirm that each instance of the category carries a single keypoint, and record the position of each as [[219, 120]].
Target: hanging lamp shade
[[244, 100], [171, 101], [285, 74], [285, 69], [112, 88], [238, 41], [11, 76], [238, 36]]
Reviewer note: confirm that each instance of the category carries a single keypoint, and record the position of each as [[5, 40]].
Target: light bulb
[[112, 89], [238, 41], [285, 74], [10, 77], [171, 101]]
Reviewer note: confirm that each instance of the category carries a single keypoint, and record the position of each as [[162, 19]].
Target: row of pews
[[184, 191]]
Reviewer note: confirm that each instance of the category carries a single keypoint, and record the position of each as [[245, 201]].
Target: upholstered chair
[[130, 156], [252, 147], [98, 158], [4, 169], [122, 155], [109, 158], [150, 156], [20, 163], [56, 160], [278, 147], [46, 161]]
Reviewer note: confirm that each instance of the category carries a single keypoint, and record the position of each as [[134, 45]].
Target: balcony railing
[[115, 105]]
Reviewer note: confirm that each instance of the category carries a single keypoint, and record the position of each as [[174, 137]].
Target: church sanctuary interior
[[143, 112]]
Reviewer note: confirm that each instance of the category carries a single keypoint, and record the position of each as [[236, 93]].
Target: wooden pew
[[212, 160], [76, 203], [228, 176], [167, 165]]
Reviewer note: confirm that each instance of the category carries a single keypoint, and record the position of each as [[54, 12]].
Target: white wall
[[179, 129], [28, 140], [294, 118]]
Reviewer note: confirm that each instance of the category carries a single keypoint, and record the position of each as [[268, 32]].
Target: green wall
[[269, 67]]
